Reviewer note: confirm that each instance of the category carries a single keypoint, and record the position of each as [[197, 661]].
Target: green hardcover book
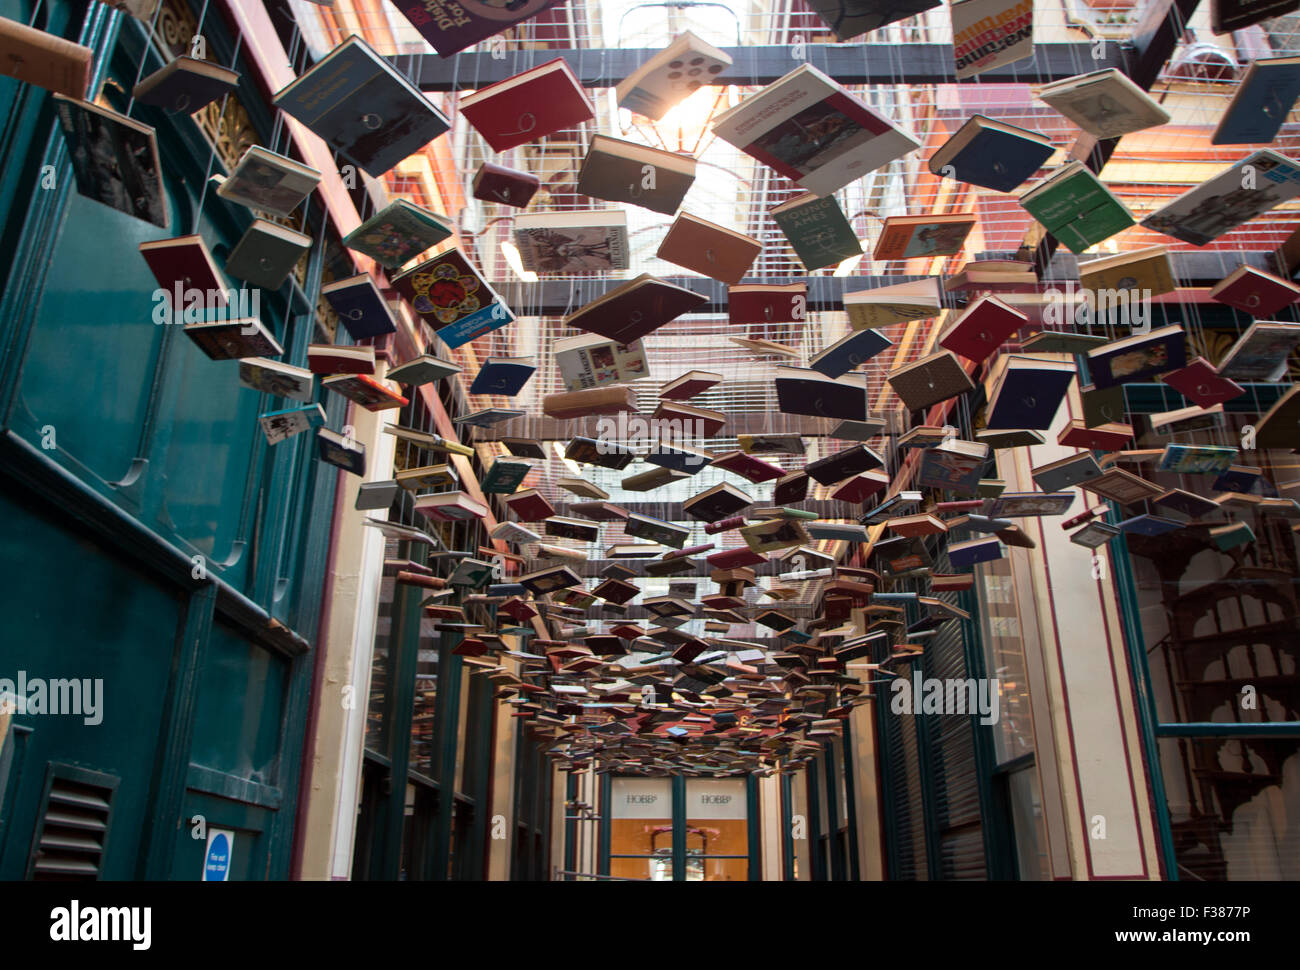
[[1076, 207], [505, 476], [398, 233], [818, 231]]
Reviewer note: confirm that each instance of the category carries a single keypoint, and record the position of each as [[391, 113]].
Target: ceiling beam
[[561, 296], [542, 428], [874, 63]]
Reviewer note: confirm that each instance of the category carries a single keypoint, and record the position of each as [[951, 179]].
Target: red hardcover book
[[529, 506], [365, 391], [633, 309], [507, 186], [859, 488], [1104, 437], [709, 249], [734, 558], [1255, 292], [726, 525], [339, 359], [983, 328], [185, 262], [1201, 384], [452, 27], [528, 106], [767, 303], [748, 467], [688, 385]]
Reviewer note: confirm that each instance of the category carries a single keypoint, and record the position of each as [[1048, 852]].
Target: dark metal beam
[[561, 296], [874, 63], [543, 428], [672, 511]]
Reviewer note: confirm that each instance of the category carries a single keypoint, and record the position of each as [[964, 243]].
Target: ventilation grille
[[73, 829]]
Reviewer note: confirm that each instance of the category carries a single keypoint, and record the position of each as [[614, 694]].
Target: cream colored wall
[[866, 792], [336, 749], [501, 821], [1095, 797]]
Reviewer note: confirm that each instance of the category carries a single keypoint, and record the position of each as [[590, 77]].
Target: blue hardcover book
[[1028, 392], [503, 375], [1262, 103], [991, 154], [363, 107], [1149, 525], [849, 352], [360, 306], [972, 551], [1138, 358], [1197, 459], [679, 458], [1239, 478]]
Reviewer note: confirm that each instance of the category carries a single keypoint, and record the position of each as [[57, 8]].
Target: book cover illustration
[[1230, 198], [572, 249], [601, 363], [926, 239], [281, 425], [396, 234], [451, 26], [453, 299], [114, 160], [987, 35]]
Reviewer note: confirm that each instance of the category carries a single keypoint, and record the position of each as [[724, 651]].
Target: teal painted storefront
[[152, 538]]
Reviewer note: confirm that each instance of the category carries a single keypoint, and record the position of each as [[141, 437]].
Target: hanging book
[[451, 27], [809, 392], [505, 186], [36, 57], [635, 308], [266, 254], [341, 451], [275, 378], [1236, 195], [897, 303], [233, 339], [361, 308], [1255, 292], [847, 19], [991, 154], [186, 84], [1106, 104], [114, 159], [811, 129], [622, 171], [767, 303], [1261, 104], [528, 106], [910, 237], [264, 180], [284, 424], [399, 232], [1261, 353], [1076, 207], [672, 75], [989, 33], [709, 249], [563, 243], [452, 298]]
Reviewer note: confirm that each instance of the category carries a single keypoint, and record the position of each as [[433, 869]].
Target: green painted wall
[[204, 710]]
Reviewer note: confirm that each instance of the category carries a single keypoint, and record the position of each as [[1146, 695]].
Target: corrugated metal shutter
[[902, 764], [956, 788]]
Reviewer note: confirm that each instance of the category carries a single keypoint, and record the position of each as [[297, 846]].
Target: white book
[[1234, 196], [1104, 103], [588, 241], [989, 33], [590, 360], [672, 75], [809, 128]]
